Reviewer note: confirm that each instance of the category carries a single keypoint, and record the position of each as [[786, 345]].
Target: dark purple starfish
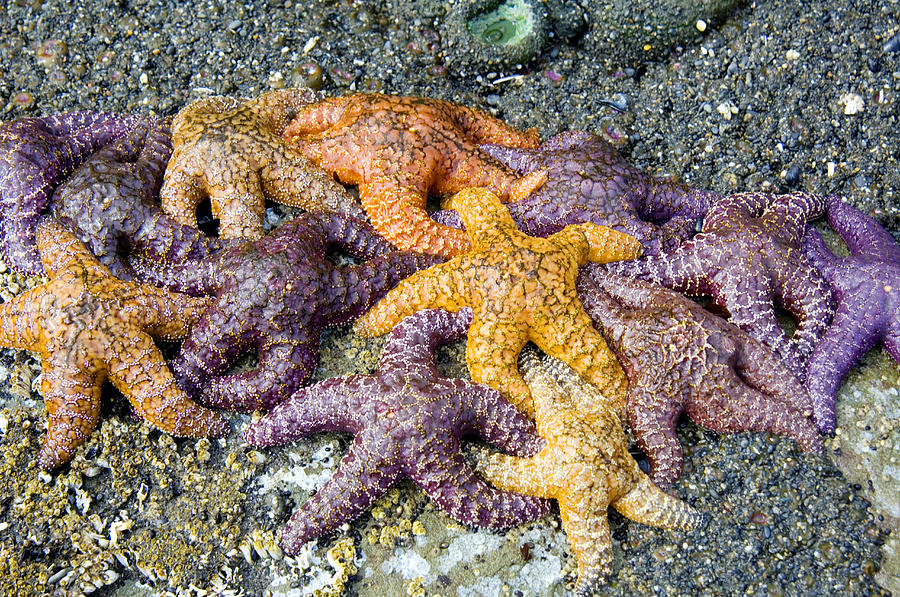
[[110, 202], [589, 181], [680, 358], [276, 295], [36, 154], [408, 421], [866, 287], [748, 257]]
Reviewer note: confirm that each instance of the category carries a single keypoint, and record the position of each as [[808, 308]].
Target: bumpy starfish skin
[[589, 181], [585, 466], [866, 286], [521, 288], [680, 358], [747, 256], [276, 295], [231, 151], [408, 421], [110, 201], [36, 154], [89, 326], [398, 149]]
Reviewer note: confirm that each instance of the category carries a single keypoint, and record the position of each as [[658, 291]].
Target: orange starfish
[[585, 465], [520, 288], [398, 149], [88, 325], [231, 151]]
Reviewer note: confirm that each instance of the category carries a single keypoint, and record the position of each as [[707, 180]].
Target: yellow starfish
[[88, 325], [585, 466], [520, 288]]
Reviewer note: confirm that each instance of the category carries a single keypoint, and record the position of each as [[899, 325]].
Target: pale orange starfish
[[88, 325], [231, 150], [400, 149], [585, 466], [520, 288]]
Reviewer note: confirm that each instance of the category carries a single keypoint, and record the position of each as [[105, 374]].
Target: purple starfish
[[36, 154], [110, 202], [747, 257], [680, 358], [866, 287], [277, 294], [408, 421], [589, 181]]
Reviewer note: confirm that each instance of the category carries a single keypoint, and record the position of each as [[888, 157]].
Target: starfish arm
[[276, 108], [847, 339], [603, 244], [138, 370], [330, 405], [761, 369], [734, 408], [666, 199], [573, 339], [683, 270], [652, 418], [214, 344], [455, 488], [362, 476], [291, 179], [492, 354], [585, 521], [483, 171], [615, 292], [61, 251], [484, 128], [818, 255], [397, 210], [240, 206], [284, 364], [352, 235], [672, 234], [495, 420], [443, 286], [750, 308], [785, 216], [412, 341], [520, 160], [808, 297], [202, 276], [181, 192], [20, 321], [316, 118], [161, 242], [161, 313], [862, 233], [72, 397], [892, 340], [647, 504], [607, 314], [527, 476], [367, 283], [483, 215]]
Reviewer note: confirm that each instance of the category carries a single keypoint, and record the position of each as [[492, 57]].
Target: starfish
[[408, 421], [866, 287], [589, 181], [110, 201], [89, 326], [680, 358], [521, 288], [585, 466], [398, 149], [231, 150], [36, 154], [276, 295], [747, 257]]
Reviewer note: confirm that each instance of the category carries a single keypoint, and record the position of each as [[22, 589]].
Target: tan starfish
[[521, 288], [398, 149], [231, 150], [88, 325], [585, 466]]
